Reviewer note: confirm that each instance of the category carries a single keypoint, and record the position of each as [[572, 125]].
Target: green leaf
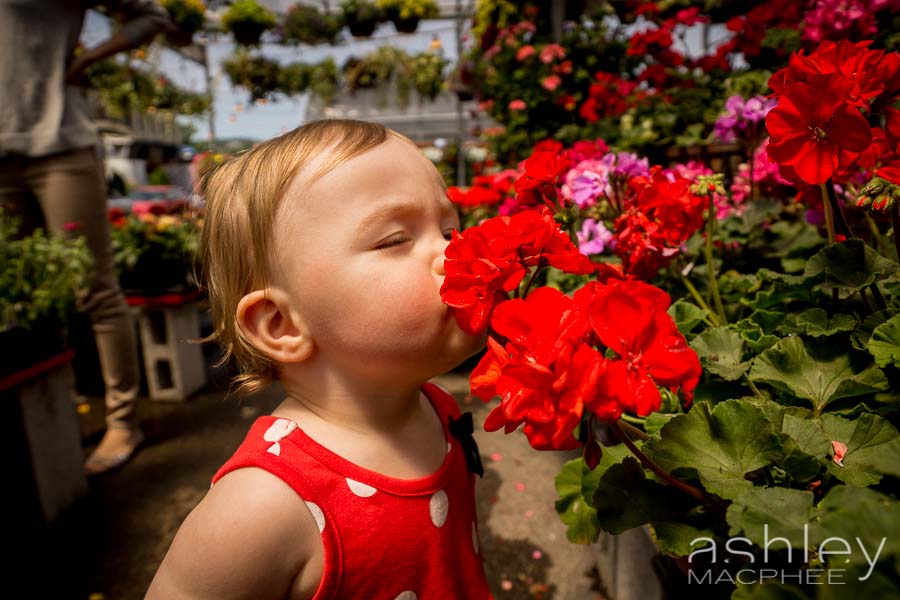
[[675, 538], [870, 516], [816, 323], [721, 445], [686, 315], [576, 484], [820, 374], [850, 264], [720, 351], [884, 344], [783, 510], [860, 336], [655, 421], [873, 448], [625, 498], [770, 590]]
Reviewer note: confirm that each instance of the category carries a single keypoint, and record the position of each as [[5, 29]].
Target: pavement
[[109, 545]]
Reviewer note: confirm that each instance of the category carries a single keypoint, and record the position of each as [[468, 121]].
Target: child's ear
[[268, 322]]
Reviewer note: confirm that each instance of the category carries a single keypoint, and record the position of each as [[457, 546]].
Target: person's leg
[[71, 190]]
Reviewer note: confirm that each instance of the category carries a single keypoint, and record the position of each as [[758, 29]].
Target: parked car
[[142, 197]]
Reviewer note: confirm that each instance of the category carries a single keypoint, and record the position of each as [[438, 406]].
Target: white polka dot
[[279, 429], [474, 537], [439, 506], [317, 514], [360, 489], [274, 449], [407, 595]]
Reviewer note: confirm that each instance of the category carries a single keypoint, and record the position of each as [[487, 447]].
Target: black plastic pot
[[406, 25], [361, 27], [247, 33]]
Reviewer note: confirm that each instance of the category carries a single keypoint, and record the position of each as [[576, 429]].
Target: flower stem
[[710, 267], [836, 210], [667, 477], [531, 281], [632, 430], [895, 226], [829, 216], [696, 296], [753, 387]]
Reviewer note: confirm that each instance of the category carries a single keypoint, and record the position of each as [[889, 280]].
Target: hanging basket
[[247, 33], [180, 37], [408, 25], [361, 27]]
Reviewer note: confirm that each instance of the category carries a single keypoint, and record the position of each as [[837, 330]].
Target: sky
[[235, 117]]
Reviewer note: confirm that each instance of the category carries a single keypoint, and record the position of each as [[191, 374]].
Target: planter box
[[41, 442]]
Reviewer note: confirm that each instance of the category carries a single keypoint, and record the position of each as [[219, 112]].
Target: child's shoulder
[[250, 532]]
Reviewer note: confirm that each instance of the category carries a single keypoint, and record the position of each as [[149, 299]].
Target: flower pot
[[247, 33], [180, 37], [408, 25], [361, 27], [153, 275]]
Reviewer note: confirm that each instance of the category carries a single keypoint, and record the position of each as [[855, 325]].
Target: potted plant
[[361, 16], [188, 17], [246, 20], [406, 14], [256, 73], [154, 249], [41, 276], [308, 25], [427, 70]]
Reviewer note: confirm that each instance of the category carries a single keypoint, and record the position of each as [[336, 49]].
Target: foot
[[115, 449]]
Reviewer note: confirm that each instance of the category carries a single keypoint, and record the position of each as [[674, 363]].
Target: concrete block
[[173, 366], [625, 565]]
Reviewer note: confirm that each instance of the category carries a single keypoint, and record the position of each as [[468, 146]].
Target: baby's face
[[361, 254]]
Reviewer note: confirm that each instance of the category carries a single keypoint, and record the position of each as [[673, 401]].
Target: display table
[[170, 331]]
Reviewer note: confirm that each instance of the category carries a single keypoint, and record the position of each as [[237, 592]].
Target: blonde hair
[[242, 197]]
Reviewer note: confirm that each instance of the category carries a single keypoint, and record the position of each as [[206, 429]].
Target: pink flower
[[586, 182], [71, 226], [517, 104], [525, 52], [551, 52], [840, 450], [551, 82]]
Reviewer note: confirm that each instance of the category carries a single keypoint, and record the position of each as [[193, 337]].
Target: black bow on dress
[[462, 430]]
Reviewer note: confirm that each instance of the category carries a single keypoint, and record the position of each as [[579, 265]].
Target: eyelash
[[402, 240]]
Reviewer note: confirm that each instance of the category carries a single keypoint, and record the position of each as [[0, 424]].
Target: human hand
[[76, 69]]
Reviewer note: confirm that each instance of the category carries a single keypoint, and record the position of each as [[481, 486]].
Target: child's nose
[[438, 264]]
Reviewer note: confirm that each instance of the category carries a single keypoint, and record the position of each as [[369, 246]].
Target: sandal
[[97, 464]]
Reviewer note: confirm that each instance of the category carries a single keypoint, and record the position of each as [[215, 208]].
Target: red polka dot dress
[[384, 538]]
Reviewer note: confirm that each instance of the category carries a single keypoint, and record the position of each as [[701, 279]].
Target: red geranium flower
[[486, 262], [812, 124], [630, 318]]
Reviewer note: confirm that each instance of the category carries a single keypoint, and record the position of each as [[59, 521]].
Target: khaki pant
[[69, 188]]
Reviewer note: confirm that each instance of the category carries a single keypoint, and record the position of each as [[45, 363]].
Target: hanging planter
[[246, 20], [362, 17], [187, 16], [406, 14], [308, 25]]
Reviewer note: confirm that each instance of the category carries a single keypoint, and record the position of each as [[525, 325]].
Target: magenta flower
[[594, 237]]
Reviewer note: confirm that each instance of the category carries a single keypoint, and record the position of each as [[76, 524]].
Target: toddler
[[324, 257]]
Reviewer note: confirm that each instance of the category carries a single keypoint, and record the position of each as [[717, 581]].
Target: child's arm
[[250, 537]]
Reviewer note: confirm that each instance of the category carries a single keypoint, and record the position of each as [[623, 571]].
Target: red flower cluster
[[656, 43], [548, 372], [486, 190], [486, 262], [662, 214], [819, 125], [750, 30], [542, 173], [608, 96]]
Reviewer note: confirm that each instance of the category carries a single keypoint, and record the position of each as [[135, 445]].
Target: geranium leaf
[[815, 322], [822, 377], [873, 448], [851, 264], [784, 510], [722, 445], [863, 331], [576, 484], [655, 421], [863, 515], [720, 351], [884, 344], [625, 498], [675, 538], [686, 315]]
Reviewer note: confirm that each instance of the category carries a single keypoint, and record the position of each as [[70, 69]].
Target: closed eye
[[393, 242]]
